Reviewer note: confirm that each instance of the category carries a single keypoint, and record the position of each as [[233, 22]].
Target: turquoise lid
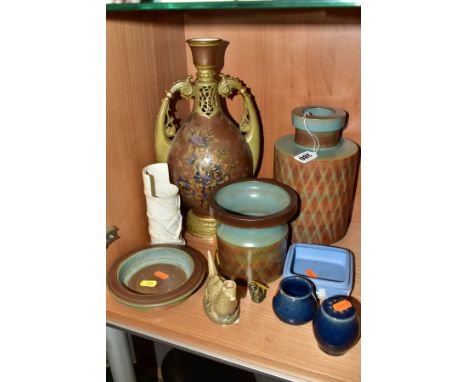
[[319, 119]]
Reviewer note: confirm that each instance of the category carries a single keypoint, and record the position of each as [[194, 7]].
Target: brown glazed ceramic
[[124, 277], [326, 184], [204, 154], [208, 149], [264, 264], [251, 227]]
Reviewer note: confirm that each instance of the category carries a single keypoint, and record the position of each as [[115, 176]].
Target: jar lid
[[320, 119], [253, 203]]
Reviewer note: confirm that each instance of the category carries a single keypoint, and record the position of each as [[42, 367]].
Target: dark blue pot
[[336, 331], [295, 302]]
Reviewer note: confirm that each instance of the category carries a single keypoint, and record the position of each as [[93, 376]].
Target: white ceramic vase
[[162, 205]]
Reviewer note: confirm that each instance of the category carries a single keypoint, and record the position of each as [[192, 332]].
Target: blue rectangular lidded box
[[334, 268]]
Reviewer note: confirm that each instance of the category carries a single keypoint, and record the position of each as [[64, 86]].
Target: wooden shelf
[[259, 341]]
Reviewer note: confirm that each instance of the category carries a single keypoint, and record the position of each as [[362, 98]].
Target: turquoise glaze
[[253, 198], [320, 120], [251, 228], [252, 238], [342, 150], [151, 256]]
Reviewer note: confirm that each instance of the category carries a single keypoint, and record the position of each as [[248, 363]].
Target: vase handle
[[165, 128], [249, 121]]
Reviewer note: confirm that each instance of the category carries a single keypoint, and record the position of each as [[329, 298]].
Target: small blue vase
[[295, 302], [336, 331]]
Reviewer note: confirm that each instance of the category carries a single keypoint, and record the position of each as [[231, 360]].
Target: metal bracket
[[111, 235]]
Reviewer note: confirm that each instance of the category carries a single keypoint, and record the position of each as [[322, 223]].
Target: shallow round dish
[[177, 270]]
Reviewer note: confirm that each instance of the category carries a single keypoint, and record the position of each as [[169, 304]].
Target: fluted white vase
[[162, 205]]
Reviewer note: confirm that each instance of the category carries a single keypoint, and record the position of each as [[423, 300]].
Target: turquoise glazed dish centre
[[150, 256], [157, 276]]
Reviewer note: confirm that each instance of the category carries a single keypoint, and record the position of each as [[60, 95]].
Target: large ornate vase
[[325, 184], [208, 149]]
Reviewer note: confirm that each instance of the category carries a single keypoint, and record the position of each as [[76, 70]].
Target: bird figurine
[[220, 300]]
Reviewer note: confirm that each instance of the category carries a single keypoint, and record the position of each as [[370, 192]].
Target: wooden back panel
[[145, 54]]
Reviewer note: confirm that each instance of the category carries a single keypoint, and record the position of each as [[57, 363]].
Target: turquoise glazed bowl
[[336, 325], [251, 227], [295, 302]]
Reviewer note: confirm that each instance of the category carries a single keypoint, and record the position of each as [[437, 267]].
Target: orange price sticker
[[342, 305], [161, 275], [311, 273]]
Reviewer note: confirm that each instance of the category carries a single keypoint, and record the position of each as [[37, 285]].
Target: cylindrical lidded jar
[[251, 227], [326, 183]]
